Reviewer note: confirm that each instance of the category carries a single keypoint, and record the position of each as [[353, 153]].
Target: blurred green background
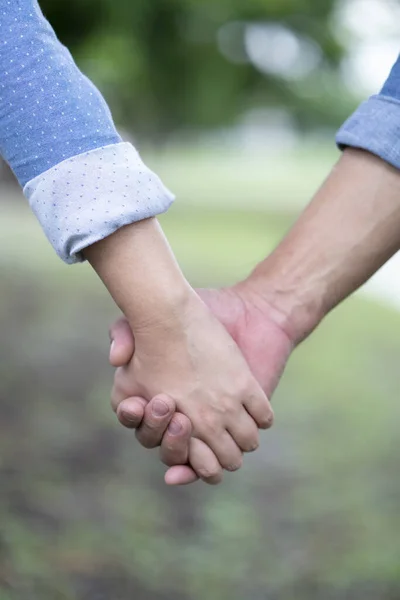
[[235, 105]]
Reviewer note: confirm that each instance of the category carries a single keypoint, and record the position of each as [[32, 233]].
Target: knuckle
[[230, 407], [119, 392], [210, 477], [172, 450], [169, 447], [151, 427], [209, 422], [209, 473], [244, 385], [165, 399], [171, 458]]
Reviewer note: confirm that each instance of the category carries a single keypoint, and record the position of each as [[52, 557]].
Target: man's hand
[[257, 329]]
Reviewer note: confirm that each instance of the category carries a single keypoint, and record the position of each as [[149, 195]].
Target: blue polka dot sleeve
[[58, 136]]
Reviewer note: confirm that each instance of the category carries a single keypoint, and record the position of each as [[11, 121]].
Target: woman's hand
[[196, 363]]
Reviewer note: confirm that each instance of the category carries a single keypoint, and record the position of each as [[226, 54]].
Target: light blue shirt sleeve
[[375, 125], [58, 136]]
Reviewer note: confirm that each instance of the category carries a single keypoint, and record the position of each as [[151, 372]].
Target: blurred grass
[[255, 181], [83, 511]]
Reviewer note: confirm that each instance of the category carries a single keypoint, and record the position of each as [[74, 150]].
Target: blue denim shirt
[[375, 125]]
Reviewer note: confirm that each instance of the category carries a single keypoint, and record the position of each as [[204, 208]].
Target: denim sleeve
[[375, 125], [58, 136]]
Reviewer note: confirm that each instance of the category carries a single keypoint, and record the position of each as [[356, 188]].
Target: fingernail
[[174, 427], [159, 408]]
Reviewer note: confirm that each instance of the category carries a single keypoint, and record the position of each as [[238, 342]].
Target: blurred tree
[[167, 65]]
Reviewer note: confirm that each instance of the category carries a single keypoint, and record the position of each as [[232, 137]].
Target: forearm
[[349, 230], [137, 266]]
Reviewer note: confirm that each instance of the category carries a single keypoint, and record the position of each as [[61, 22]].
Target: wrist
[[296, 311], [140, 271], [163, 310], [345, 234]]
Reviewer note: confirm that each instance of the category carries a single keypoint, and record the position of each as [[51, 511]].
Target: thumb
[[122, 343], [180, 475]]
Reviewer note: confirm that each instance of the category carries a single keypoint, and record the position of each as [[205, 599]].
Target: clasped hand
[[198, 386]]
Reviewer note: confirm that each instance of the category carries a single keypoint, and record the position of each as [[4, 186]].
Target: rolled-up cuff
[[89, 196], [375, 127]]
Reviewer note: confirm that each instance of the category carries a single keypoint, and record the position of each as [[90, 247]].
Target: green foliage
[[161, 68]]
